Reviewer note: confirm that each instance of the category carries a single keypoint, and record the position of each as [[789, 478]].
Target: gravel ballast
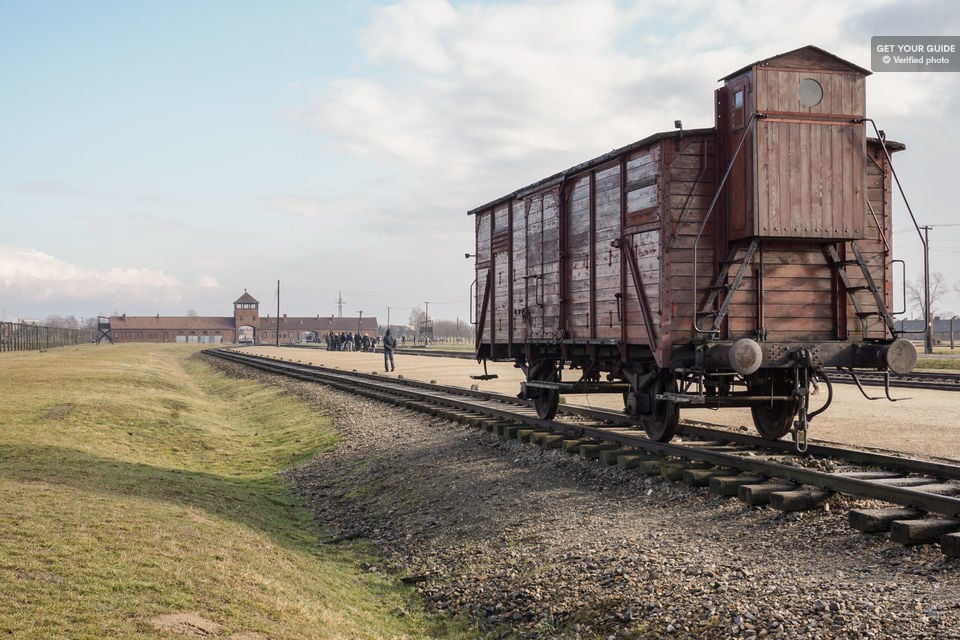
[[537, 543]]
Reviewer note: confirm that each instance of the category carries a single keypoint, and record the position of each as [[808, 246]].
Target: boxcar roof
[[607, 157], [589, 164]]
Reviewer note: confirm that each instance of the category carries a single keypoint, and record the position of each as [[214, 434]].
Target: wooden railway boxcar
[[725, 266]]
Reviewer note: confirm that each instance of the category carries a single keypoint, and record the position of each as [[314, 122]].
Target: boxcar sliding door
[[541, 279], [592, 264]]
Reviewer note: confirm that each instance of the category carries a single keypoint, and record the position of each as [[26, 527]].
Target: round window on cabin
[[810, 92]]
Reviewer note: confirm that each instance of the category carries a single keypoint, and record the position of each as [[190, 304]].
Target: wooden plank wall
[[691, 185], [809, 160], [500, 244], [483, 228], [802, 298], [527, 281], [607, 263], [809, 180], [644, 207], [592, 264], [550, 265], [521, 329], [536, 269], [798, 301], [578, 253], [877, 246], [844, 94]]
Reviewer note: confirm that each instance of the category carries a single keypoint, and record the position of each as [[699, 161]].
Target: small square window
[[738, 99]]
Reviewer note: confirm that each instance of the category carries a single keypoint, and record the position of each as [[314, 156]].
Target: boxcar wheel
[[661, 424], [774, 420], [547, 401], [547, 404]]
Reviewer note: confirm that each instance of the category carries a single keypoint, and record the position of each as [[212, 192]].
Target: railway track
[[919, 500], [933, 380]]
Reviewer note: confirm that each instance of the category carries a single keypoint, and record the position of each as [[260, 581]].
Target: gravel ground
[[534, 543]]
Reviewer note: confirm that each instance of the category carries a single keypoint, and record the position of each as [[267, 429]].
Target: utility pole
[[927, 316], [360, 324], [388, 317], [339, 304], [278, 313]]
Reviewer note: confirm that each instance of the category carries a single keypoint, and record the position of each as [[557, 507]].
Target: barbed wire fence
[[20, 336]]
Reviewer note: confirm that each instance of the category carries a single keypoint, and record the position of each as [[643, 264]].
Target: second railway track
[[919, 499]]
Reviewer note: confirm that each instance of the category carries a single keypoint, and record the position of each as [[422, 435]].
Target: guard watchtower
[[103, 329], [246, 317], [246, 310]]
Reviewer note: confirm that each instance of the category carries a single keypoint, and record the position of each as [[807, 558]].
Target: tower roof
[[246, 298]]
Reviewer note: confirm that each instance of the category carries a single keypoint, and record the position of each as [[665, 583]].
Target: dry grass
[[141, 497]]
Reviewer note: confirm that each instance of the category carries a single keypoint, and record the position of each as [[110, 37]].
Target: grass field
[[141, 497]]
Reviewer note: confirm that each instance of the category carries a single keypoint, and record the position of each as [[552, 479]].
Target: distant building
[[244, 327], [943, 330]]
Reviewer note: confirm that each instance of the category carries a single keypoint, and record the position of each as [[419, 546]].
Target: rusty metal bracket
[[886, 388], [860, 386]]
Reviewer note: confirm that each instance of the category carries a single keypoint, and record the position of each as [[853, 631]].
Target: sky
[[165, 156]]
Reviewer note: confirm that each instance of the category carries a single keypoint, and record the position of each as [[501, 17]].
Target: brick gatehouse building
[[244, 326]]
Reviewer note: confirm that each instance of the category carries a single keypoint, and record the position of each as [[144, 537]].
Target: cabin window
[[641, 183], [501, 220], [739, 102], [809, 92]]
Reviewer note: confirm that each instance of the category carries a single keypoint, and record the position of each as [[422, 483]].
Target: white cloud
[[471, 92], [412, 32], [58, 188], [464, 102], [476, 83], [208, 282], [29, 276]]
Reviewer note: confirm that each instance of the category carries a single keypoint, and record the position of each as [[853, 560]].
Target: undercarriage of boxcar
[[776, 381], [727, 267]]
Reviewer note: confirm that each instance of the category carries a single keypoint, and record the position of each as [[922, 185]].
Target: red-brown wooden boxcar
[[713, 267]]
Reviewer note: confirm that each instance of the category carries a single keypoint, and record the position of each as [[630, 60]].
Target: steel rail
[[618, 430], [938, 381]]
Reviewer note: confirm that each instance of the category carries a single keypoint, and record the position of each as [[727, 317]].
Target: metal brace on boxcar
[[801, 389], [805, 375]]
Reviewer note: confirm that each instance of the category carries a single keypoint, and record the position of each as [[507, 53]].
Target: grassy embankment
[[947, 359], [140, 491]]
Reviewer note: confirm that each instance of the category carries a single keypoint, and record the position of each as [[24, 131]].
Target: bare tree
[[417, 315], [457, 329], [915, 293]]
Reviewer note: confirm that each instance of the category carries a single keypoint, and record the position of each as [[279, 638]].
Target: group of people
[[350, 341]]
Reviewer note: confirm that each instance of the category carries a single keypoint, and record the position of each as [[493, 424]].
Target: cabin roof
[[801, 59]]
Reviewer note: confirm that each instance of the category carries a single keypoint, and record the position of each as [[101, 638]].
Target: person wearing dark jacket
[[389, 344]]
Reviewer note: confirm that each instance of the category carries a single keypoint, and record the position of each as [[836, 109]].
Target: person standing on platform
[[389, 344]]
